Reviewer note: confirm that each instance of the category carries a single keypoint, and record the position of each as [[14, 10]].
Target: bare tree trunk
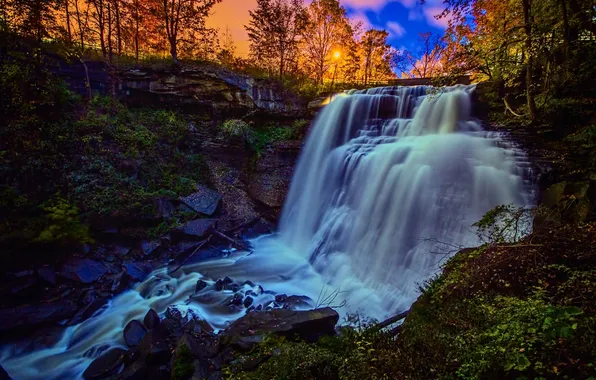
[[530, 91], [118, 29], [110, 50], [137, 31], [81, 27], [69, 32]]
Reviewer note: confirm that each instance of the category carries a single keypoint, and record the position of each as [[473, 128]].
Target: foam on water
[[385, 174]]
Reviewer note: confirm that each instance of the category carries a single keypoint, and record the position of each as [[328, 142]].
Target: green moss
[[183, 366]]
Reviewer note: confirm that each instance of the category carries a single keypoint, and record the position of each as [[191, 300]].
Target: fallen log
[[392, 320], [192, 254], [233, 241]]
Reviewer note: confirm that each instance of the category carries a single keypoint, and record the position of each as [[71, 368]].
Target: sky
[[403, 19]]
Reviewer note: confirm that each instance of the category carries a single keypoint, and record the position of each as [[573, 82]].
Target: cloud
[[373, 5], [431, 11], [395, 29], [361, 17]]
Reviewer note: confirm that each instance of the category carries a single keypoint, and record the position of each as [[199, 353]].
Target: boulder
[[136, 371], [35, 315], [85, 271], [204, 200], [134, 333], [151, 319], [308, 325], [198, 228], [154, 348], [106, 365], [138, 271]]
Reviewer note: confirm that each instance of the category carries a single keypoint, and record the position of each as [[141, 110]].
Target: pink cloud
[[374, 5], [395, 29], [430, 13], [363, 18]]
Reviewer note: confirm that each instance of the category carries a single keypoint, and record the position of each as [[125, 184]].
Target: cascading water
[[385, 177]]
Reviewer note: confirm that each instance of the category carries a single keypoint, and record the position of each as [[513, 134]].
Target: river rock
[[200, 285], [106, 365], [308, 325], [83, 270], [35, 315], [134, 333], [204, 200], [248, 301], [151, 319]]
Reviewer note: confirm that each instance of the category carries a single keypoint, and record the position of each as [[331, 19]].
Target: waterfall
[[388, 185], [389, 182]]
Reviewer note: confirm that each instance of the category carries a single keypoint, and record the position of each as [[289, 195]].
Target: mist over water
[[384, 176]]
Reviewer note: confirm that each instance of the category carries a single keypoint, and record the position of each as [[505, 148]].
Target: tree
[[426, 62], [184, 21], [274, 31], [228, 48], [328, 28], [376, 54]]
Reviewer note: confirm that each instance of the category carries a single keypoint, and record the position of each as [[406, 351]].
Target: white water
[[383, 177]]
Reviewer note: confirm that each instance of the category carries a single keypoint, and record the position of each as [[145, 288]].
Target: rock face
[[569, 201], [198, 228], [4, 374], [271, 177], [308, 325], [204, 200]]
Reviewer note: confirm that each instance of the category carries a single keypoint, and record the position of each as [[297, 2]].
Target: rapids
[[389, 181]]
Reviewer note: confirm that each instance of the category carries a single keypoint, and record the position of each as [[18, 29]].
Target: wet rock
[[227, 280], [280, 298], [219, 285], [121, 282], [138, 271], [4, 374], [134, 333], [198, 228], [175, 315], [307, 325], [260, 227], [298, 303], [148, 247], [164, 207], [121, 251], [47, 274], [83, 270], [204, 201], [35, 315], [232, 287], [256, 291], [87, 311], [106, 365], [197, 326], [249, 283], [248, 301], [236, 300], [154, 348], [151, 319], [200, 285]]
